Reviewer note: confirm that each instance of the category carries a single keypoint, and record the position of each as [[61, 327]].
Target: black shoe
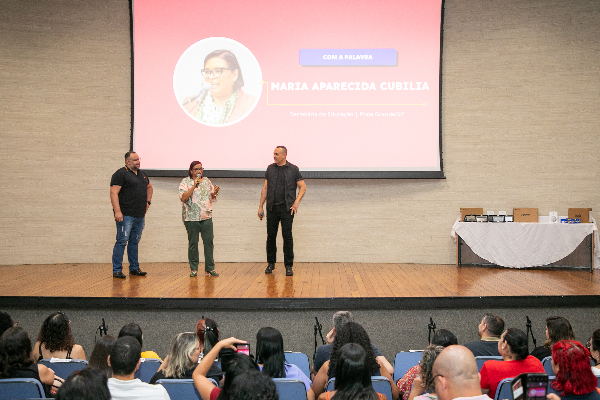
[[119, 275], [288, 271], [137, 272], [270, 268]]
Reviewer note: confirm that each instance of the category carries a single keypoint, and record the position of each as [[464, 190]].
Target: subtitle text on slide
[[346, 114]]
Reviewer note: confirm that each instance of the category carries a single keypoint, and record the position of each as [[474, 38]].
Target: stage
[[314, 286]]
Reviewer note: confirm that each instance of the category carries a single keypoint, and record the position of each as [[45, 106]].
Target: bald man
[[455, 375]]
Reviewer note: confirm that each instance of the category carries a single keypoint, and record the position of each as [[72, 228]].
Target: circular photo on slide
[[217, 81]]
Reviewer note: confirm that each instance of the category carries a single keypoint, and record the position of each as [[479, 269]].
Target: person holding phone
[[235, 365], [197, 193]]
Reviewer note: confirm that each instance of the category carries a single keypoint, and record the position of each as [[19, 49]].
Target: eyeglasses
[[433, 380], [197, 169], [217, 72]]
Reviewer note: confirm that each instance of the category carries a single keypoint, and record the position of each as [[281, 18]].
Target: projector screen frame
[[308, 174]]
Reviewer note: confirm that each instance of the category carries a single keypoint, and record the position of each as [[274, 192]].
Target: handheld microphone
[[205, 88]]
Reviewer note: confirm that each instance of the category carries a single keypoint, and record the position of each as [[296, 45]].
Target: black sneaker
[[137, 272], [288, 271], [270, 268], [119, 275]]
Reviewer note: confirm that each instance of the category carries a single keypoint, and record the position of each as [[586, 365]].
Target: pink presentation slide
[[346, 86]]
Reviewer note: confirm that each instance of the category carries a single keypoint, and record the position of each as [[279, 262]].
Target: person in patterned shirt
[[197, 193]]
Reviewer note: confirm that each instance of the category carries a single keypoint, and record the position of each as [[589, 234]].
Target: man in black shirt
[[490, 329], [279, 191], [130, 195]]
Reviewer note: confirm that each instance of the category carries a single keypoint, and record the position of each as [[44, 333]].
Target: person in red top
[[516, 360]]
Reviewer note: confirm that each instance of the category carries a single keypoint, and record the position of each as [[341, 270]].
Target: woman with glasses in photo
[[197, 193], [225, 101]]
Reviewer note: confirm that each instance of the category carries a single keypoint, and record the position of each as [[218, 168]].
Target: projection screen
[[351, 88]]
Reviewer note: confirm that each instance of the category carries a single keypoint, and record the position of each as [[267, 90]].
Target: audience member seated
[[124, 360], [5, 322], [516, 360], [351, 332], [233, 365], [134, 330], [253, 385], [423, 388], [182, 358], [595, 350], [100, 354], [441, 337], [455, 375], [353, 375], [87, 384], [490, 328], [15, 350], [271, 359], [208, 334], [574, 377], [56, 339], [557, 328], [323, 353]]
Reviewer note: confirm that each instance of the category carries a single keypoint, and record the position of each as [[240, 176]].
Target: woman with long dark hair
[[99, 356], [557, 328], [516, 360], [351, 332], [271, 358], [234, 365], [56, 339], [352, 375], [574, 377], [15, 353]]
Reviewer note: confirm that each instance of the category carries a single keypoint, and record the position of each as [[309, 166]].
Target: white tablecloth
[[523, 245]]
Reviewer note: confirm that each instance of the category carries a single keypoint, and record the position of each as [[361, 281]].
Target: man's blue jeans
[[129, 233]]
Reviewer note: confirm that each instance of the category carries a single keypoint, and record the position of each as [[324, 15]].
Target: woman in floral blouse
[[197, 193]]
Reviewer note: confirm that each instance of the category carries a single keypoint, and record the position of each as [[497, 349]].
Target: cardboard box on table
[[525, 214], [581, 213]]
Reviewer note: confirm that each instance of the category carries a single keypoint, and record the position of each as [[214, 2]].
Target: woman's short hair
[[101, 351], [232, 63], [574, 376], [427, 360], [253, 385], [208, 333], [56, 333], [180, 352], [517, 341], [559, 328], [15, 348], [86, 384], [443, 337], [269, 352], [192, 165], [134, 330], [352, 332]]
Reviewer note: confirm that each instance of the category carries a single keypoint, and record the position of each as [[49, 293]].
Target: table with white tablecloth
[[524, 245]]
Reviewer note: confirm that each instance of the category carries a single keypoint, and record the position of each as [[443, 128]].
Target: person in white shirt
[[455, 375], [124, 360]]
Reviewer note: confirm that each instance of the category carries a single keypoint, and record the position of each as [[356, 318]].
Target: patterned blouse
[[405, 383], [199, 206]]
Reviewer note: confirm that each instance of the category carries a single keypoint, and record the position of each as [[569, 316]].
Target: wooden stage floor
[[314, 285]]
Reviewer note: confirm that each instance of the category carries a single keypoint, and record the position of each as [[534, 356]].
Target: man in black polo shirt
[[130, 195], [279, 190]]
